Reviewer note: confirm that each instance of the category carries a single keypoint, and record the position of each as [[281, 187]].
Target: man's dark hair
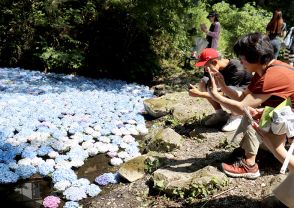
[[255, 47]]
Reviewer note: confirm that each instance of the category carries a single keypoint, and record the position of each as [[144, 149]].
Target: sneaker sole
[[243, 175]]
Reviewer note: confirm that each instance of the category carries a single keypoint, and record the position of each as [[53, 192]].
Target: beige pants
[[246, 137], [285, 191]]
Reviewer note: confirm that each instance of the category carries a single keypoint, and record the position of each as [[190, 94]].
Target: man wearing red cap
[[234, 76]]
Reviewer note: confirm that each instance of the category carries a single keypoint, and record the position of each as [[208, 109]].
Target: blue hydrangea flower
[[107, 178], [25, 171], [45, 169], [7, 176], [44, 150], [61, 158], [74, 194], [93, 190], [28, 154], [63, 174], [71, 204]]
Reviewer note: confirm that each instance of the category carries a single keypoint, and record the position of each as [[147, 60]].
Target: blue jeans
[[276, 43]]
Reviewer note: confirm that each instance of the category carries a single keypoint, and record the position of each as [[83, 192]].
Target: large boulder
[[182, 106], [199, 184], [163, 140], [136, 168]]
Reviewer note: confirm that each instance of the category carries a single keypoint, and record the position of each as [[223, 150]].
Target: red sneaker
[[241, 169]]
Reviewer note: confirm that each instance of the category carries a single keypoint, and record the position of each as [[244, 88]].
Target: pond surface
[[30, 193]]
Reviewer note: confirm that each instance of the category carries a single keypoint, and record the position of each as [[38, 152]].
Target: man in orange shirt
[[271, 84]]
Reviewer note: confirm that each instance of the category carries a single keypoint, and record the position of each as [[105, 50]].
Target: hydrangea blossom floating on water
[[71, 204], [51, 202], [67, 119], [107, 178]]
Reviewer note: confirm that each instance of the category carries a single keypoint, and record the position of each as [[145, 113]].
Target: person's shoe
[[241, 169], [232, 124], [217, 118]]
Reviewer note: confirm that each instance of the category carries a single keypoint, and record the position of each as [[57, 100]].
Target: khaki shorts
[[246, 137]]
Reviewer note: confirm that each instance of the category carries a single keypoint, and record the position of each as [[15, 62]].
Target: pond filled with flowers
[[51, 124]]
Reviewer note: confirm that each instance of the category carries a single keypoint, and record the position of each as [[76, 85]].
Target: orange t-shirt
[[277, 81]]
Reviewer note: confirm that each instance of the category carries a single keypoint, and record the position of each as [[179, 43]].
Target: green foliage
[[58, 59], [236, 22], [151, 164], [199, 190], [128, 39]]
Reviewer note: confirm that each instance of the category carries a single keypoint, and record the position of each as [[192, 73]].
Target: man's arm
[[252, 100]]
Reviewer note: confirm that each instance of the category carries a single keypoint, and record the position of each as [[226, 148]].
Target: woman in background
[[275, 29], [212, 35]]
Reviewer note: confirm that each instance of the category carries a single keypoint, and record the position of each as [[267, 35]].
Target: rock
[[182, 106], [184, 183], [163, 140], [136, 168]]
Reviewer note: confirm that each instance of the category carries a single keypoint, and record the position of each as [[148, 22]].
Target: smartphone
[[245, 109]]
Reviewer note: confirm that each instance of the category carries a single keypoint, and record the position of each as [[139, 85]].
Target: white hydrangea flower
[[125, 131], [63, 164], [101, 147], [123, 154], [131, 121], [36, 161], [133, 131], [13, 141], [50, 162], [77, 163], [142, 129], [123, 145], [62, 185], [97, 127], [88, 130], [92, 151], [53, 154], [116, 131], [25, 161], [104, 139], [96, 134], [87, 144], [116, 161], [113, 148], [128, 139]]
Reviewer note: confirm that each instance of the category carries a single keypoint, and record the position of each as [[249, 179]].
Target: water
[[30, 193]]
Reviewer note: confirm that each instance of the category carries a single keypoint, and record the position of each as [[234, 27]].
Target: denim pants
[[276, 43]]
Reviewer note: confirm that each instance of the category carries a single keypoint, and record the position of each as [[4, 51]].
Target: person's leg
[[276, 45], [235, 119], [220, 115], [247, 167]]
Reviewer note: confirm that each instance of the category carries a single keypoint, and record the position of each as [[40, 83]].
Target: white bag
[[283, 121]]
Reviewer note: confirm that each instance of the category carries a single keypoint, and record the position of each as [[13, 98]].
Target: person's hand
[[219, 78], [212, 88], [193, 91], [256, 113], [261, 133]]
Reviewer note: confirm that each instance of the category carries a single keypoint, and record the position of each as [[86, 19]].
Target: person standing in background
[[275, 30], [212, 35]]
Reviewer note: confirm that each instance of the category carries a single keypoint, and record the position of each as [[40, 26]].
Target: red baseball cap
[[206, 55]]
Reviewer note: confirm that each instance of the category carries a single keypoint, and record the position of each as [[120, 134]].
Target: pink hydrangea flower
[[51, 202]]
